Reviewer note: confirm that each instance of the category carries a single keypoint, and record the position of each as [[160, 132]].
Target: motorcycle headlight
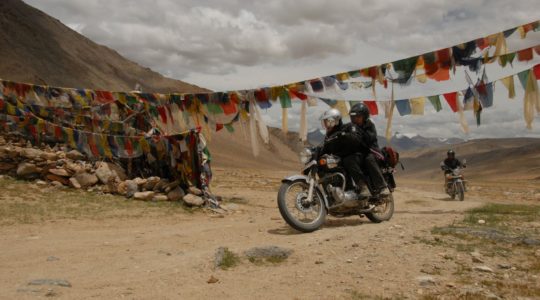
[[305, 156]]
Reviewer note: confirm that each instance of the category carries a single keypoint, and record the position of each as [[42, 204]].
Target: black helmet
[[450, 152], [360, 109]]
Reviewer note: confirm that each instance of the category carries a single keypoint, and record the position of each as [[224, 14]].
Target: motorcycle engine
[[345, 198]]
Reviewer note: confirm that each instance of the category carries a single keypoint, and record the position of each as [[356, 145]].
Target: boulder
[[193, 200], [74, 168], [25, 169], [195, 191], [75, 155], [121, 188], [86, 180], [140, 181], [176, 194], [31, 153], [144, 195], [161, 185], [4, 166], [160, 197], [151, 183], [62, 180], [268, 252], [74, 183], [103, 173], [59, 172], [131, 188], [106, 170], [49, 156]]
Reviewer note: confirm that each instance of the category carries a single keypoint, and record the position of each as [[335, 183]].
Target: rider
[[449, 164], [344, 141], [359, 114]]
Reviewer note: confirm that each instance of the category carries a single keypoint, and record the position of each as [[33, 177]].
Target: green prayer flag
[[436, 102], [285, 99]]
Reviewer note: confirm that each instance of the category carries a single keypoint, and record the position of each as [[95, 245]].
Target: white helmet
[[330, 119]]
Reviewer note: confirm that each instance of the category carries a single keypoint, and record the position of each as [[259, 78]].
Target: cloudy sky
[[225, 45]]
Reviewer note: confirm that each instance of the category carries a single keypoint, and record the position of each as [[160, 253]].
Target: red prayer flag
[[298, 95], [372, 105], [260, 95], [451, 98], [482, 43], [219, 127], [104, 97], [525, 54], [162, 114], [536, 71]]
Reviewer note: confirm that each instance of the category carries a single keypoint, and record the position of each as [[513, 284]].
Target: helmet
[[359, 109], [451, 153], [330, 119]]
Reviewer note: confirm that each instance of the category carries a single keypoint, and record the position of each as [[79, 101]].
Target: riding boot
[[362, 190]]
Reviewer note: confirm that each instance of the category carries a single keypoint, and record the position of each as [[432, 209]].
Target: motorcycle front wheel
[[461, 191], [382, 212], [297, 211]]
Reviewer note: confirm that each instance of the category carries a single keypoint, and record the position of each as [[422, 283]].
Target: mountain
[[36, 48], [403, 142]]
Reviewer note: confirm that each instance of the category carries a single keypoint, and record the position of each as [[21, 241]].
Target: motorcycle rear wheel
[[292, 206], [383, 212]]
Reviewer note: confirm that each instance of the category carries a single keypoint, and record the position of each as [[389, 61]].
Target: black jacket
[[452, 163], [344, 140], [368, 133]]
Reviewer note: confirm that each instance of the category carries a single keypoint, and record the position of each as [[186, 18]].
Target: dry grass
[[25, 203]]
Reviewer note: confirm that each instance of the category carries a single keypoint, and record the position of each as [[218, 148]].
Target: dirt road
[[171, 257]]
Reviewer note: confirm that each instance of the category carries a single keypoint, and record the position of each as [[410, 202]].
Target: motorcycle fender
[[296, 178]]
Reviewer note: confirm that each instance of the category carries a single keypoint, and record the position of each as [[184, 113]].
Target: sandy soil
[[172, 257]]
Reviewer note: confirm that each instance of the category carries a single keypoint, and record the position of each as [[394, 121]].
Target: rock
[[25, 169], [176, 194], [41, 183], [161, 185], [62, 180], [485, 269], [426, 280], [57, 184], [219, 256], [106, 170], [151, 183], [193, 200], [477, 257], [49, 156], [121, 188], [537, 253], [103, 173], [160, 197], [195, 191], [212, 279], [31, 153], [144, 195], [140, 181], [481, 222], [75, 155], [74, 168], [5, 167], [268, 252], [131, 188], [74, 183], [349, 261], [58, 282], [52, 258], [59, 172], [355, 245], [86, 180], [504, 266]]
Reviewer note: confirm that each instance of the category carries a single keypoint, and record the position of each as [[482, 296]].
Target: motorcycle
[[305, 200], [455, 185]]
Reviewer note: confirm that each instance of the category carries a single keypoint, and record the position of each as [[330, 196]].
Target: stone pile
[[61, 167]]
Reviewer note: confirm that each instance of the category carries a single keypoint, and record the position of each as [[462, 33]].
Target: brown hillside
[[37, 48], [512, 158]]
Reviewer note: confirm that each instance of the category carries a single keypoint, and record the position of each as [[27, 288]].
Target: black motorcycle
[[305, 200]]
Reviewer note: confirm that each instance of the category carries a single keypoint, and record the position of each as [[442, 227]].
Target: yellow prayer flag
[[417, 105], [508, 82]]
